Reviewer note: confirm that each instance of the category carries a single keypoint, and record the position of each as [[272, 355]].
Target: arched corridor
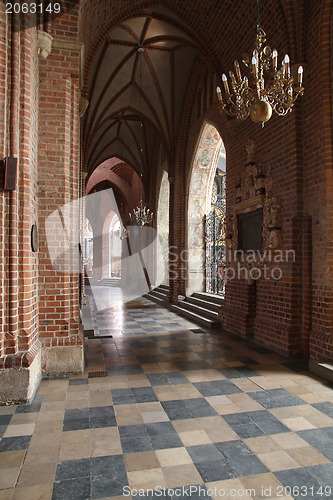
[[166, 284]]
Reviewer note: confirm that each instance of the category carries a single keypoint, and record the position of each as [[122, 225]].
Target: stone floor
[[168, 407]]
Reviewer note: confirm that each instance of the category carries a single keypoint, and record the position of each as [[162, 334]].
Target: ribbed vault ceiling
[[136, 97]]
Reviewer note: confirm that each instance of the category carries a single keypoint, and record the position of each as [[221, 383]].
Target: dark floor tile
[[248, 430], [122, 396], [326, 408], [276, 398], [101, 411], [15, 443], [231, 373], [301, 483], [136, 444], [159, 428], [126, 431], [5, 419], [192, 365], [237, 419], [272, 427], [247, 360], [209, 354], [176, 410], [78, 413], [71, 469], [144, 394], [323, 473], [132, 370], [195, 492], [112, 466], [156, 358], [152, 494], [204, 453], [158, 379], [99, 422], [29, 408], [241, 458], [218, 470], [3, 429], [246, 371], [176, 378], [164, 441], [199, 407], [217, 388], [78, 381], [105, 487], [174, 349], [320, 439], [72, 489], [76, 424]]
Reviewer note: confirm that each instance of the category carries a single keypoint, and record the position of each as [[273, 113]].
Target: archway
[[163, 231], [88, 248], [204, 189]]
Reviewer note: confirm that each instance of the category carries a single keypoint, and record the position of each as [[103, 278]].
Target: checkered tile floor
[[182, 413]]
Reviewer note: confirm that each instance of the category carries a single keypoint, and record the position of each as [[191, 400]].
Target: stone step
[[322, 369], [212, 306], [158, 294], [202, 311], [196, 318], [209, 297]]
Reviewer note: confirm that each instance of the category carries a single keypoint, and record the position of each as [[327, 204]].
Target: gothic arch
[[199, 204]]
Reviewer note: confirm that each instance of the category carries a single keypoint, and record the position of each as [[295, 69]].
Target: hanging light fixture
[[123, 233], [141, 214], [258, 98]]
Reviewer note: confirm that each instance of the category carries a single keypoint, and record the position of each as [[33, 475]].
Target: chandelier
[[141, 214], [123, 233], [270, 88]]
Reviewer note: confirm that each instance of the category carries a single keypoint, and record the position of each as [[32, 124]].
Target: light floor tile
[[278, 460], [8, 477], [181, 475], [173, 456], [232, 489], [36, 492], [193, 438], [144, 479], [307, 456], [37, 474], [19, 430], [141, 461], [297, 423], [262, 444], [11, 459]]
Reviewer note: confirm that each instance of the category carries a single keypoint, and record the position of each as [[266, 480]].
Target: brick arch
[[130, 193], [198, 203]]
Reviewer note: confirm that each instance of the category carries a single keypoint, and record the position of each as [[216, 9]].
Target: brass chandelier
[[141, 214], [270, 88]]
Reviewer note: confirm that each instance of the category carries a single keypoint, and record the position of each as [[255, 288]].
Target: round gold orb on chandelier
[[271, 88]]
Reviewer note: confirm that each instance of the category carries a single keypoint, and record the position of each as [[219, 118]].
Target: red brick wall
[[19, 265], [59, 184]]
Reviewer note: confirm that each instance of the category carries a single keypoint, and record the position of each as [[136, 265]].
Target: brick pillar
[[58, 164], [19, 346]]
